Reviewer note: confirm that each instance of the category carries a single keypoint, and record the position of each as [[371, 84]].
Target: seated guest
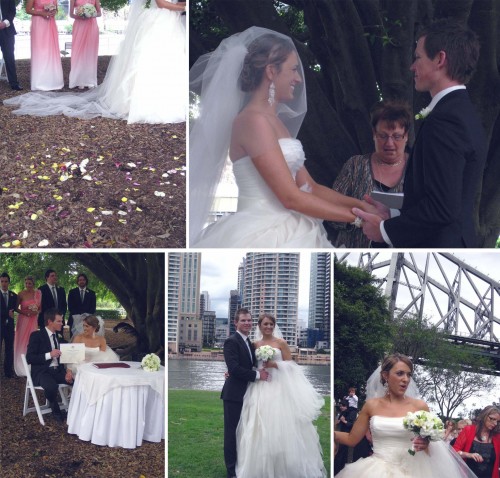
[[43, 354], [380, 170], [96, 349]]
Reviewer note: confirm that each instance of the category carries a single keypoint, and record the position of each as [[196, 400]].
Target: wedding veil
[[375, 389], [215, 78], [276, 333]]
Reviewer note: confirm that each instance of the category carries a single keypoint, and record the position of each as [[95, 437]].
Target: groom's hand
[[371, 225], [376, 207], [264, 374]]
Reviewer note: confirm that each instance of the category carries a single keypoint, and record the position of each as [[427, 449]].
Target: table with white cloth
[[118, 406]]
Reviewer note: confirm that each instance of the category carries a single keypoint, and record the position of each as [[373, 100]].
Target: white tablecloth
[[118, 406]]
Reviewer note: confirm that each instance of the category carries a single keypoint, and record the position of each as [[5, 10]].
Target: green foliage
[[195, 422], [19, 265], [113, 5], [362, 328], [110, 314]]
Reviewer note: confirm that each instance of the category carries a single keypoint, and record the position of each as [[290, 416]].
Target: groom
[[445, 170], [239, 354], [7, 40]]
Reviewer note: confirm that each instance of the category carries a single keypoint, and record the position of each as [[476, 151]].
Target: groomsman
[[81, 300], [8, 304], [7, 40], [53, 297]]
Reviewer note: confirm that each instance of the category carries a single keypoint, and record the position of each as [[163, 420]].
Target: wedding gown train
[[145, 83], [391, 459], [261, 219], [276, 437]]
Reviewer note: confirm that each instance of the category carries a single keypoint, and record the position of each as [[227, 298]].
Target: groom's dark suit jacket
[[443, 179], [7, 329], [7, 39], [38, 345], [239, 367], [48, 302]]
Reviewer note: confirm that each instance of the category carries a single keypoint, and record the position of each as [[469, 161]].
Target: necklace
[[392, 165], [485, 437]]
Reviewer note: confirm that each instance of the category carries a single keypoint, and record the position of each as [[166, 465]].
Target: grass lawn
[[195, 434]]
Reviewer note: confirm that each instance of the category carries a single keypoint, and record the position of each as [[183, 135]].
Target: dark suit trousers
[[7, 46], [7, 336], [49, 380], [232, 413]]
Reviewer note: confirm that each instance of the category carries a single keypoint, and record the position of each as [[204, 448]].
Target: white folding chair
[[3, 72], [30, 388]]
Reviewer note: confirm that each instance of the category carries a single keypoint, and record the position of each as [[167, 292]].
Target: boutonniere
[[424, 112]]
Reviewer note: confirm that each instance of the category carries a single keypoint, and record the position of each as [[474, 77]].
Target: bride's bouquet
[[264, 353], [424, 424], [86, 11], [151, 363]]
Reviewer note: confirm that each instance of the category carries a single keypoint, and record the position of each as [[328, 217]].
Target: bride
[[391, 394], [144, 82], [275, 435], [96, 349], [252, 103]]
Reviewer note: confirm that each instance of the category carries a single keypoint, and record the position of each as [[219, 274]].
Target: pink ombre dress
[[46, 67], [25, 325], [84, 50]]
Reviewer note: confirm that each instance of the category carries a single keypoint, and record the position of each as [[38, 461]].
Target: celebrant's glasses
[[495, 420], [395, 137]]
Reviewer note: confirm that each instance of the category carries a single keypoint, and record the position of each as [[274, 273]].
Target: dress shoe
[[58, 417], [17, 88]]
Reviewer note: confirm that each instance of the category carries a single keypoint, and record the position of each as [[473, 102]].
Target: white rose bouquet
[[49, 7], [424, 424], [151, 363], [86, 11], [264, 353]]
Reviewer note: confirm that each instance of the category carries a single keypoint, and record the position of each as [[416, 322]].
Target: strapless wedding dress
[[276, 437], [391, 459], [261, 220]]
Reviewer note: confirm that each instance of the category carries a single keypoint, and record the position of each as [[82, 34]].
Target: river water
[[208, 375]]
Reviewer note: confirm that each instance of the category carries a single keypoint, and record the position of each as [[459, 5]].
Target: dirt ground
[[29, 450], [132, 194]]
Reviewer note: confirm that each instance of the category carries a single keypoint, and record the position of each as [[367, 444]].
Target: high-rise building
[[204, 302], [184, 327], [208, 327], [271, 284], [234, 305], [320, 295]]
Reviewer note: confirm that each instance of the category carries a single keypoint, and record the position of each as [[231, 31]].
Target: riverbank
[[218, 356], [196, 433]]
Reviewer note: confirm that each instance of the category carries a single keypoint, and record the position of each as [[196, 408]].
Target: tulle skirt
[[276, 437], [441, 461]]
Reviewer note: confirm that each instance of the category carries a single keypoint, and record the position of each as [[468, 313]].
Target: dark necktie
[[250, 349], [56, 345], [6, 299], [82, 294], [54, 295]]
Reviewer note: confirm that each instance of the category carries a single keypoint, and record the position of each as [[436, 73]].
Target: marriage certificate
[[72, 353]]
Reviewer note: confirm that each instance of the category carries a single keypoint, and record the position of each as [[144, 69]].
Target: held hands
[[375, 212], [376, 207], [264, 374], [69, 376]]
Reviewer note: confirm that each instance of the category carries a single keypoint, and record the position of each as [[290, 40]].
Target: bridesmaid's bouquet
[[49, 7], [424, 424], [264, 353], [86, 11], [151, 363]]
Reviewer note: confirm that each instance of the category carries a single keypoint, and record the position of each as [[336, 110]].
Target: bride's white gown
[[145, 82], [261, 220], [391, 459], [276, 437]]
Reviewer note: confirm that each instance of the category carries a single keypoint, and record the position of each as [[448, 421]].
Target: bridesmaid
[[46, 67], [29, 303], [85, 46]]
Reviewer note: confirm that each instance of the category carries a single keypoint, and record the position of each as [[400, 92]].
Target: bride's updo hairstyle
[[392, 360], [266, 50], [93, 322], [265, 315]]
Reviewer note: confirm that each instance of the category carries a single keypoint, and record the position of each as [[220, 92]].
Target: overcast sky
[[219, 275]]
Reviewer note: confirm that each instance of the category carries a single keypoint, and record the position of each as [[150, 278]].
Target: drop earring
[[272, 90]]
